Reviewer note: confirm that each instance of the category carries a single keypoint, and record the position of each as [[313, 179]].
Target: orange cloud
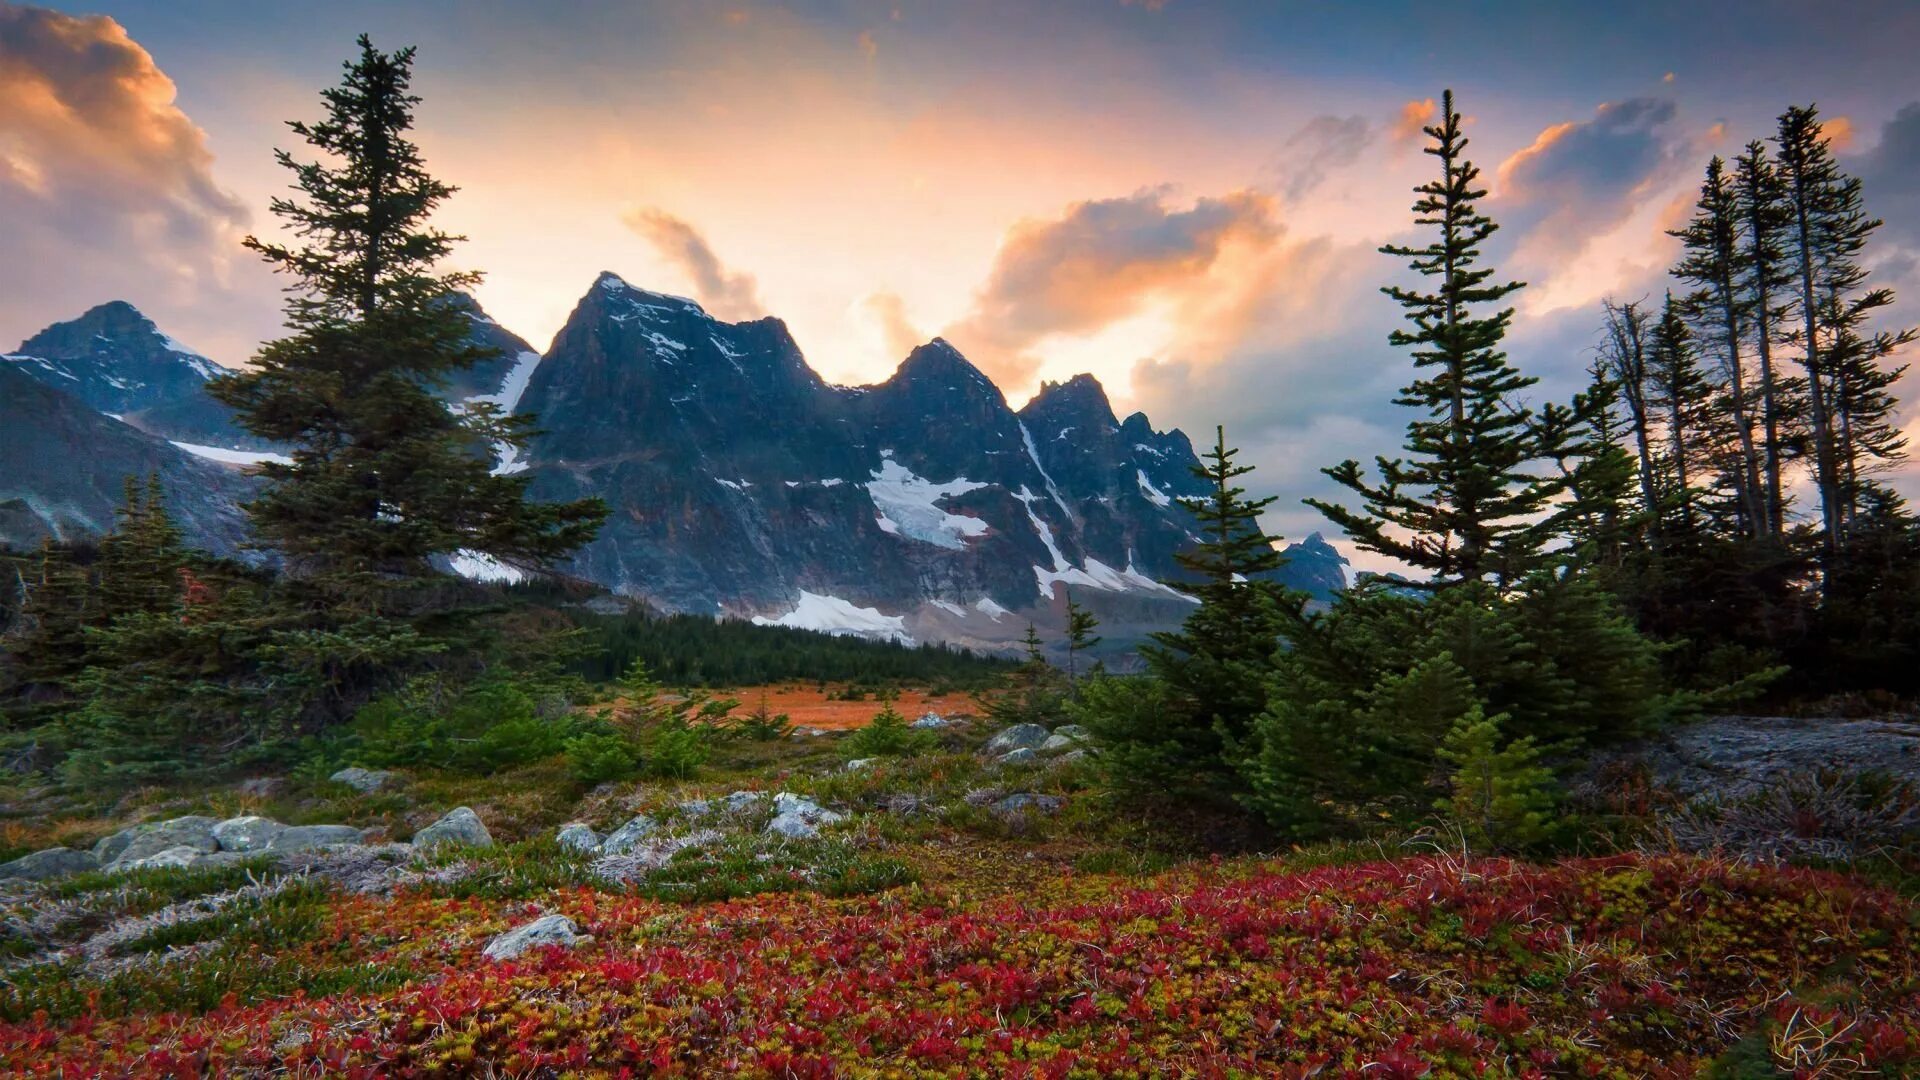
[[1409, 123], [726, 294], [1839, 130], [1101, 261], [890, 312]]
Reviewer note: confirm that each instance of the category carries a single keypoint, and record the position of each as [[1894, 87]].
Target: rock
[[544, 931], [261, 787], [48, 864], [1732, 757], [983, 796], [1017, 737], [931, 720], [805, 731], [734, 803], [1065, 737], [858, 764], [1074, 732], [907, 805], [628, 836], [308, 837], [1026, 755], [799, 818], [154, 837], [364, 781], [648, 855], [458, 826], [250, 833], [1070, 757], [578, 836], [173, 858], [1026, 804]]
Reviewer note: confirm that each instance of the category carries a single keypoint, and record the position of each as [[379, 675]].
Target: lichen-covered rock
[[1026, 804], [907, 804], [735, 803], [173, 858], [1064, 738], [458, 826], [578, 836], [250, 833], [1018, 737], [858, 764], [364, 781], [308, 837], [1026, 755], [646, 856], [930, 721], [140, 841], [1733, 757], [626, 837], [544, 931], [799, 818], [49, 864]]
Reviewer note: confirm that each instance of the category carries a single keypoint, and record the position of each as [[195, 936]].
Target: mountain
[[923, 507], [65, 465]]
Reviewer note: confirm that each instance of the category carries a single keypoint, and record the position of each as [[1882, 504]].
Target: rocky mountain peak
[[1080, 402]]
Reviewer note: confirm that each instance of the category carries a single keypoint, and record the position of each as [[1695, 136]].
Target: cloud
[[728, 295], [890, 313], [1409, 124], [1890, 176], [1580, 179], [1101, 261], [1325, 145], [105, 181]]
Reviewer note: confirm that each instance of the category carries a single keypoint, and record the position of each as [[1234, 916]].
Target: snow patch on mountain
[[833, 615], [1154, 495], [987, 607], [909, 506], [1098, 575], [479, 566], [232, 457]]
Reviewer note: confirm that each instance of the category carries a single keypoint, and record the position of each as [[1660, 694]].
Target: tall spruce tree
[[1686, 398], [1763, 217], [1467, 503], [385, 477], [386, 480]]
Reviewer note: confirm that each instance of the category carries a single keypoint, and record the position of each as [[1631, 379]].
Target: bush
[[888, 735], [674, 749], [595, 757], [474, 729]]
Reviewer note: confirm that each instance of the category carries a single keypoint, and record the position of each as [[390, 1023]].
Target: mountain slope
[[66, 464]]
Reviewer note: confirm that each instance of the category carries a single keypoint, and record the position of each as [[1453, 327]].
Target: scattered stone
[[648, 855], [48, 864], [1026, 804], [931, 720], [544, 931], [799, 818], [250, 833], [858, 764], [1018, 737], [578, 836], [311, 837], [262, 787], [458, 826], [371, 870], [172, 858], [1065, 737], [805, 731], [364, 781], [628, 836], [1070, 757], [983, 796], [1026, 755], [907, 805], [154, 837], [734, 803]]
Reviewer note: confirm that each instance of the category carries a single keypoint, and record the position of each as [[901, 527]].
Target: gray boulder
[[546, 930], [1065, 737], [364, 781], [155, 837], [1026, 755], [578, 836], [1070, 757], [48, 864], [308, 837], [858, 764], [458, 826], [1018, 737], [628, 836], [1732, 757], [173, 858], [737, 802], [930, 721], [805, 731], [250, 833], [649, 855], [799, 818], [1025, 804]]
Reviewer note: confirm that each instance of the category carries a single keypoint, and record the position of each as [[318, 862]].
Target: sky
[[1183, 197]]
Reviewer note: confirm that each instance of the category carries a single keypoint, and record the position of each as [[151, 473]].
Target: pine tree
[[1501, 796], [141, 559], [1080, 637], [1760, 205], [1465, 505], [1683, 393], [385, 476], [1032, 694], [1624, 354], [1713, 263], [386, 480]]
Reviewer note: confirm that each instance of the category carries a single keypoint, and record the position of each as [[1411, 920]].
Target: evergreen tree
[[1080, 637], [1032, 693], [1500, 796], [386, 480], [1465, 505], [1686, 397], [1760, 205], [1810, 180]]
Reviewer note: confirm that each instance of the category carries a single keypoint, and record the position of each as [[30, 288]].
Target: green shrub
[[889, 735], [674, 749], [594, 757]]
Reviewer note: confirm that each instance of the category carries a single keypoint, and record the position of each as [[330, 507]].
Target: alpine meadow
[[1518, 675]]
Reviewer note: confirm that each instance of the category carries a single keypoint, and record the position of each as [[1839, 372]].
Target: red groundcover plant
[[1625, 966]]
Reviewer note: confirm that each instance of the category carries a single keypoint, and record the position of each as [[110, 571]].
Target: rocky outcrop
[[545, 932], [1729, 757], [460, 826], [48, 864]]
